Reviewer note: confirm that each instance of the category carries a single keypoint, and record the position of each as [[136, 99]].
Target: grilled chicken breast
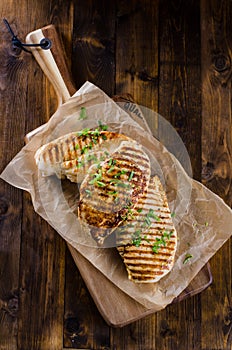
[[147, 241], [111, 190], [71, 155]]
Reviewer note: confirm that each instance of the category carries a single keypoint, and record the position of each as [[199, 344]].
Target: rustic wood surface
[[173, 56]]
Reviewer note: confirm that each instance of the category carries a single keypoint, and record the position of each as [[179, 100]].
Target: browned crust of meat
[[72, 146], [104, 204], [143, 264]]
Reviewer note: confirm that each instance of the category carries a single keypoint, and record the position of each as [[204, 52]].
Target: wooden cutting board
[[53, 64]]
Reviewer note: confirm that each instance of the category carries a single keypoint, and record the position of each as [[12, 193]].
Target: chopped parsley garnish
[[83, 114], [129, 214], [103, 127], [161, 241], [147, 221], [110, 169], [93, 134], [80, 164], [173, 214], [131, 175], [113, 193], [96, 178], [137, 241], [187, 258], [88, 192], [167, 234], [84, 149], [151, 214], [83, 132], [112, 162], [136, 238], [100, 183], [122, 172]]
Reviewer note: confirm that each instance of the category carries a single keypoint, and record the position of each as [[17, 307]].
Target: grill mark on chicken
[[122, 176], [137, 157], [149, 254], [69, 147]]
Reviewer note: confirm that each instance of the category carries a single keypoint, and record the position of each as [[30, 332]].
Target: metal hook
[[45, 43]]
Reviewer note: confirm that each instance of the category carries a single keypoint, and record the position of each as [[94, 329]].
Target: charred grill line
[[148, 250]]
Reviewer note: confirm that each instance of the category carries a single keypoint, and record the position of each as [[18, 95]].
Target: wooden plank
[[93, 60], [84, 328], [180, 104], [137, 52], [137, 335], [180, 77], [93, 44], [137, 74], [13, 76], [40, 281], [216, 41]]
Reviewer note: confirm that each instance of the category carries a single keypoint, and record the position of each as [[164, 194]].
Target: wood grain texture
[[137, 52], [217, 162], [42, 251], [93, 56], [179, 103], [13, 76], [179, 67], [33, 260], [84, 327], [93, 60], [152, 50]]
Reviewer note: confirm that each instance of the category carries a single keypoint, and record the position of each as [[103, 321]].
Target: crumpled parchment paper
[[202, 220]]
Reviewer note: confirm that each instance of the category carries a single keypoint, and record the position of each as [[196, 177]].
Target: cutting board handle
[[53, 63]]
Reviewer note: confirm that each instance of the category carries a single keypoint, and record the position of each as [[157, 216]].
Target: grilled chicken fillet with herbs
[[71, 155], [111, 190], [147, 240]]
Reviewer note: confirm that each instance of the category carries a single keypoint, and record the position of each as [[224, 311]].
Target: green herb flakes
[[112, 162], [100, 183], [136, 238], [110, 169], [131, 175], [102, 126], [88, 192], [83, 114], [151, 214], [112, 193], [83, 132], [80, 164], [161, 241], [187, 258]]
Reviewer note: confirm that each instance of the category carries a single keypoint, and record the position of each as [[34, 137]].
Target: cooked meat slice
[[76, 169], [147, 241], [111, 190], [75, 150]]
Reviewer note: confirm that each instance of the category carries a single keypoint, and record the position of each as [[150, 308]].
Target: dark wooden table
[[172, 56]]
